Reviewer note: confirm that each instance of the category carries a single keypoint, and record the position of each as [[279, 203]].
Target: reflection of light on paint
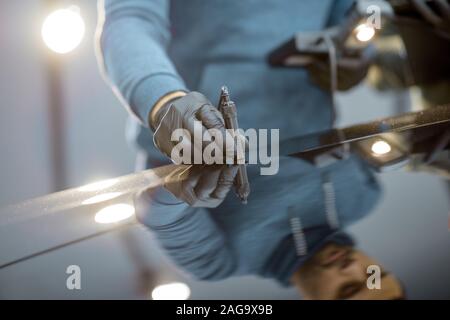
[[381, 148], [364, 32], [63, 30], [114, 213], [101, 197], [171, 291], [96, 186]]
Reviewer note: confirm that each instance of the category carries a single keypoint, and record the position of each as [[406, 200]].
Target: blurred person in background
[[412, 54]]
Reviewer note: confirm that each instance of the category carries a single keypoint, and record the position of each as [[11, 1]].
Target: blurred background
[[62, 127]]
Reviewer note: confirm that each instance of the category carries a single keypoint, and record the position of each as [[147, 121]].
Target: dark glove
[[181, 114], [201, 186]]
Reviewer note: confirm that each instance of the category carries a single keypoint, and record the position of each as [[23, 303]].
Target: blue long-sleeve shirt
[[149, 48]]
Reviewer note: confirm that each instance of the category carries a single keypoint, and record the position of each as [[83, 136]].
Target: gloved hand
[[181, 114], [352, 68], [201, 186]]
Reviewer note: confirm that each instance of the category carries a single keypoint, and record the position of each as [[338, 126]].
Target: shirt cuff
[[152, 89]]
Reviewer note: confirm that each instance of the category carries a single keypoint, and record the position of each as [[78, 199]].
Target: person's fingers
[[207, 183], [181, 183], [187, 194], [207, 127], [197, 131], [191, 176], [225, 182], [210, 117], [182, 173], [191, 102]]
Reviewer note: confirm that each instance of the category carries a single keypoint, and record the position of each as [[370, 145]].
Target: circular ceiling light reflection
[[381, 148], [171, 291], [114, 213], [96, 186], [364, 32], [63, 30], [101, 198]]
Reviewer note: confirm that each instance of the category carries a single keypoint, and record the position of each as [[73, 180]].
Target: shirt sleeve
[[131, 43], [188, 235]]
